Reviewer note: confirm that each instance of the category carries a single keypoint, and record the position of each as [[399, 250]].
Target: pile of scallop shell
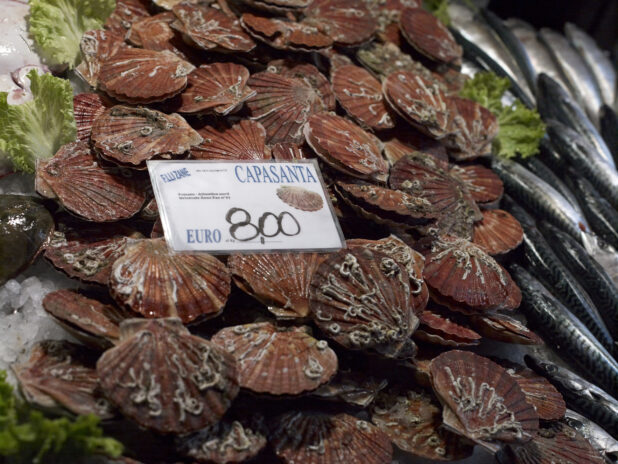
[[328, 358]]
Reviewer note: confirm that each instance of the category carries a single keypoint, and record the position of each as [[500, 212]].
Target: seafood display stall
[[471, 317]]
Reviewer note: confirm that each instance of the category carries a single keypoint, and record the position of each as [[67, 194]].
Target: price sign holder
[[244, 206]]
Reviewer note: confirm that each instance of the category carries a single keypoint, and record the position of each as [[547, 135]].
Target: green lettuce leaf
[[439, 8], [521, 129], [57, 26], [38, 128]]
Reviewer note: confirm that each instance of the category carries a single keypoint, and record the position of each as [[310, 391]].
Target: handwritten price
[[239, 228]]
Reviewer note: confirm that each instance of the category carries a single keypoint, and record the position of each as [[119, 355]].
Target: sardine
[[555, 103], [597, 61], [598, 437], [609, 129], [597, 283], [550, 156], [585, 159], [579, 394], [574, 68], [559, 327], [538, 197]]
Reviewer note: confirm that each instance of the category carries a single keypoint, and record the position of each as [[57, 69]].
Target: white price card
[[231, 206]]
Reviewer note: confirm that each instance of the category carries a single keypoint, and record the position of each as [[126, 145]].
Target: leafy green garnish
[[38, 128], [439, 8], [28, 437], [57, 26], [521, 129]]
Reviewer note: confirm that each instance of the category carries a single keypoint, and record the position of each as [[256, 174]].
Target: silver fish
[[595, 434], [598, 62], [574, 68]]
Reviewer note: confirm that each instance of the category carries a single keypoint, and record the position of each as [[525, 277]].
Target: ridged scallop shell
[[152, 280], [405, 143], [97, 322], [483, 184], [137, 75], [483, 396], [345, 146], [505, 329], [210, 29], [360, 94], [132, 135], [498, 232], [87, 107], [361, 299], [97, 46], [284, 34], [441, 331], [316, 438], [413, 421], [282, 105], [287, 152], [277, 360], [166, 379], [86, 188], [419, 101], [245, 140], [279, 280], [125, 14], [300, 198], [429, 36], [347, 22], [221, 87], [385, 59], [62, 374], [310, 75], [155, 33], [460, 270], [352, 387], [472, 128]]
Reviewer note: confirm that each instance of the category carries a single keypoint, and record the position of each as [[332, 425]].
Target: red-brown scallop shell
[[137, 75], [279, 280], [317, 438], [498, 232], [278, 360], [155, 33], [347, 22], [287, 152], [441, 331], [458, 269], [152, 280], [429, 36], [166, 379], [284, 34], [62, 374], [352, 387], [413, 421], [486, 400], [504, 329], [132, 135], [125, 14], [87, 107], [360, 94], [385, 59], [405, 143], [345, 146], [96, 47], [210, 29], [87, 189], [483, 184], [220, 87], [419, 101], [279, 6], [308, 73], [361, 299], [300, 198], [282, 105], [245, 140]]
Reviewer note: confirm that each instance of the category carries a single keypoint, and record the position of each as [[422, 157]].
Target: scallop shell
[[220, 87], [131, 135], [284, 34], [385, 59], [245, 140], [155, 33], [355, 388], [483, 184], [278, 6], [166, 379], [282, 105], [405, 143], [429, 36], [87, 189], [318, 438], [361, 299], [413, 421], [360, 94], [505, 329], [485, 399], [210, 29], [152, 280], [442, 331], [137, 75], [347, 22], [277, 360], [87, 107], [300, 198], [419, 101], [287, 152], [125, 14], [308, 73], [97, 46], [498, 232], [62, 374], [345, 146], [279, 280], [97, 322], [460, 270]]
